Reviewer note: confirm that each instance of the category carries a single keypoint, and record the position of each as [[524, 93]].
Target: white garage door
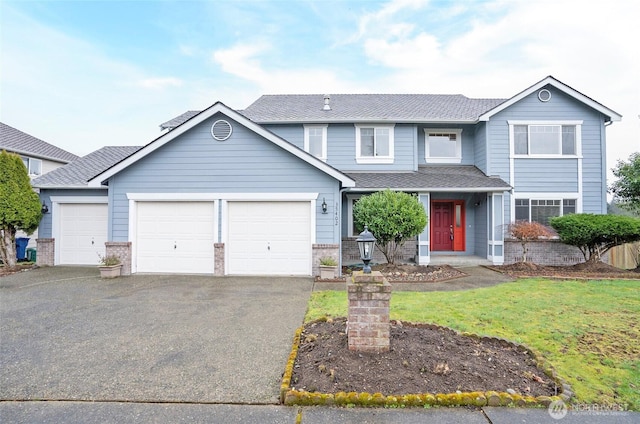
[[175, 237], [83, 232], [269, 238]]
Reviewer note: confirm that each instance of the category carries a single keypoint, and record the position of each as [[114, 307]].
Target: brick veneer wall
[[45, 251], [543, 252], [324, 251], [368, 327], [350, 252], [218, 257], [121, 249]]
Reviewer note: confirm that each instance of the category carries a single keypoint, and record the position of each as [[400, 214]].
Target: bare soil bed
[[422, 359], [586, 270]]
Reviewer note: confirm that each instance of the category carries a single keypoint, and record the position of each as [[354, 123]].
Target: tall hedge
[[594, 234], [393, 217], [19, 205]]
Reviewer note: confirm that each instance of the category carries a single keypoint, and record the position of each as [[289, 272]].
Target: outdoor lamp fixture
[[45, 208], [366, 243], [324, 206]]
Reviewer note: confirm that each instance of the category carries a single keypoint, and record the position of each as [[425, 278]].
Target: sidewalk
[[113, 412]]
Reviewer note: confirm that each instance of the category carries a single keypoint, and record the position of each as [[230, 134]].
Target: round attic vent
[[221, 130], [544, 95]]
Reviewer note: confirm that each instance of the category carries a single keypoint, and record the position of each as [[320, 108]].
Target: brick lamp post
[[369, 295]]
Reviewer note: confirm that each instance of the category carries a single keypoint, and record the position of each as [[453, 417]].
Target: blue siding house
[[270, 190]]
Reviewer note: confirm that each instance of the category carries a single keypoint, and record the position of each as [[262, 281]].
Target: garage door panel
[[269, 238], [175, 237], [82, 234]]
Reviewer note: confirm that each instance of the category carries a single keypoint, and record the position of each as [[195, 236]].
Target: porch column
[[496, 229], [424, 249]]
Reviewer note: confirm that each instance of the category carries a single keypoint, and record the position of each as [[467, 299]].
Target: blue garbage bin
[[21, 247]]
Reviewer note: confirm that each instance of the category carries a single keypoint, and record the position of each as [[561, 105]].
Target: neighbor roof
[[430, 178], [76, 174], [14, 140]]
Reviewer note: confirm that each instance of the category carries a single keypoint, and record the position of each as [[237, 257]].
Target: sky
[[85, 74]]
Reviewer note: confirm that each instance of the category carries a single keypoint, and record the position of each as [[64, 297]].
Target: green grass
[[588, 330]]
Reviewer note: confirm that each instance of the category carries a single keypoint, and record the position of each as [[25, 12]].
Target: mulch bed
[[18, 268], [409, 273], [422, 359]]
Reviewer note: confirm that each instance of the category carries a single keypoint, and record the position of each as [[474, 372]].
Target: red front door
[[442, 226]]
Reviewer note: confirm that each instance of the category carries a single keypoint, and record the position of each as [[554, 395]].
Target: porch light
[[366, 243], [324, 206], [45, 208]]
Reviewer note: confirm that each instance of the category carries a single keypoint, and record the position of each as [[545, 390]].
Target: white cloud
[[243, 60], [68, 92]]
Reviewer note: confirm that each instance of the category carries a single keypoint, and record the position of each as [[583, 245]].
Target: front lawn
[[588, 330]]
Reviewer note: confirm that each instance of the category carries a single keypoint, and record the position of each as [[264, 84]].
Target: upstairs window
[[34, 166], [443, 146], [546, 139], [374, 143], [315, 140]]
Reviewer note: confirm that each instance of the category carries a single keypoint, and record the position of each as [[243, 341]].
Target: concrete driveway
[[66, 334]]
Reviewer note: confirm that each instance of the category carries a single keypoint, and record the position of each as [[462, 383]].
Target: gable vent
[[221, 130]]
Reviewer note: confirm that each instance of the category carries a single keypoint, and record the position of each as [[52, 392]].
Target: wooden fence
[[626, 256]]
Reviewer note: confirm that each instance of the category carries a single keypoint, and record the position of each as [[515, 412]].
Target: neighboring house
[[38, 156], [270, 190]]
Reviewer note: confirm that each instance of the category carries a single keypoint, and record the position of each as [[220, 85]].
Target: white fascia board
[[255, 197], [203, 116], [435, 190], [370, 121], [79, 199], [69, 187], [614, 116]]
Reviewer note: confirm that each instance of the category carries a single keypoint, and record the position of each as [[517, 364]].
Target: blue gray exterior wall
[[341, 146], [552, 175], [45, 228], [245, 163]]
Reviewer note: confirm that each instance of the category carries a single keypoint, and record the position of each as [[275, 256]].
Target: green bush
[[393, 217], [594, 234], [20, 207]]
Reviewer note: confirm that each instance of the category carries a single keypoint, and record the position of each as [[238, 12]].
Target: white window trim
[[324, 139], [375, 159], [577, 124], [544, 196], [31, 160], [350, 199], [455, 159]]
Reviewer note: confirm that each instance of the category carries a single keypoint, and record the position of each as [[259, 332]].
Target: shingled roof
[[275, 108], [368, 107], [430, 178], [172, 123], [14, 140], [77, 173]]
